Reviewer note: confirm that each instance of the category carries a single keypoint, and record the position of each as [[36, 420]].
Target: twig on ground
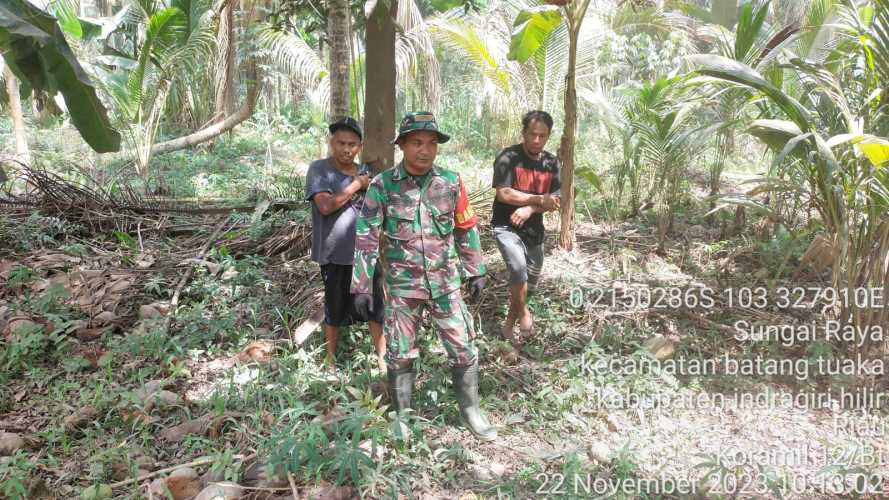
[[175, 300], [194, 463], [293, 486]]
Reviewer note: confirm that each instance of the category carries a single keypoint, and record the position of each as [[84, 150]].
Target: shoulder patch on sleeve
[[464, 216]]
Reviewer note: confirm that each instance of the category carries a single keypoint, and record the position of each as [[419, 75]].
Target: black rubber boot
[[401, 386], [465, 380]]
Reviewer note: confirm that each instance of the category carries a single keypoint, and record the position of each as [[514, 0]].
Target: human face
[[534, 138], [420, 149], [345, 146]]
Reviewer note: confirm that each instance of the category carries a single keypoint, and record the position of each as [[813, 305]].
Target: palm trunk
[[724, 149], [22, 152], [338, 36], [353, 69], [232, 120], [379, 88], [225, 96], [566, 146]]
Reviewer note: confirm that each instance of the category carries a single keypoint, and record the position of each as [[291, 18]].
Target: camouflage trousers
[[450, 316]]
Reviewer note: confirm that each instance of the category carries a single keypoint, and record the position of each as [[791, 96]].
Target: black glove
[[476, 285], [364, 305]]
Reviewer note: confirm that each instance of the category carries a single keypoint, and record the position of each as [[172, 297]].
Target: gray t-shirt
[[333, 236]]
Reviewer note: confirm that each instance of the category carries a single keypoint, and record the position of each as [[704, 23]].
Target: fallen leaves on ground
[[79, 419], [10, 443], [260, 351]]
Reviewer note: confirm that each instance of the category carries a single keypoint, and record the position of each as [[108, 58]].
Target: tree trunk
[[566, 147], [22, 153], [724, 12], [379, 88], [338, 64], [205, 134], [725, 147], [354, 70], [225, 91]]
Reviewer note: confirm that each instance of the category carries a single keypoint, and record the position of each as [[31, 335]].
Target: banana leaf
[[531, 28], [33, 45]]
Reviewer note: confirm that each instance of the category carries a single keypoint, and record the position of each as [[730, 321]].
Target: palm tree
[[498, 86], [834, 139], [574, 13], [658, 134], [174, 41], [226, 65], [379, 86], [755, 44], [413, 58]]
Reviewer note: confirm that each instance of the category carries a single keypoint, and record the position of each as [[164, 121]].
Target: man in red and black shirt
[[527, 182]]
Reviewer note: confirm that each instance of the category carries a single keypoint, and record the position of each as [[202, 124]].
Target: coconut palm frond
[[191, 93], [628, 21], [817, 30], [416, 64], [415, 59], [461, 38], [879, 30], [196, 47], [483, 43], [161, 31], [290, 53]]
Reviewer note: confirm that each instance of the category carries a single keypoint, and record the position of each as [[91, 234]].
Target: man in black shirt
[[527, 182]]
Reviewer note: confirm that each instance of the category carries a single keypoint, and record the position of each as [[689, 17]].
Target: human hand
[[550, 202], [476, 285], [520, 216], [364, 305], [364, 180]]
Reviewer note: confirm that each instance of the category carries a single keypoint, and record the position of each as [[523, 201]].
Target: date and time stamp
[[632, 297], [842, 471]]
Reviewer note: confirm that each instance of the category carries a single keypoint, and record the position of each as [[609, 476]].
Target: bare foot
[[330, 373], [508, 334], [526, 326]]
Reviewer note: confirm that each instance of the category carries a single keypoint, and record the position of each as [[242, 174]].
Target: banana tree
[[532, 27], [830, 139], [35, 51]]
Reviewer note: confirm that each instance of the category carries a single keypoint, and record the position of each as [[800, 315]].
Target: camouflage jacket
[[426, 229]]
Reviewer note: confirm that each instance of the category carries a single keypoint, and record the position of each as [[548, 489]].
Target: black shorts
[[339, 304]]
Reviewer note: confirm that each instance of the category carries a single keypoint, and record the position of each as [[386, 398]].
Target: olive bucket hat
[[420, 120]]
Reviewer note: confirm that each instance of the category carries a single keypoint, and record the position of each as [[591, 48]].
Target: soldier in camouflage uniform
[[430, 243]]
